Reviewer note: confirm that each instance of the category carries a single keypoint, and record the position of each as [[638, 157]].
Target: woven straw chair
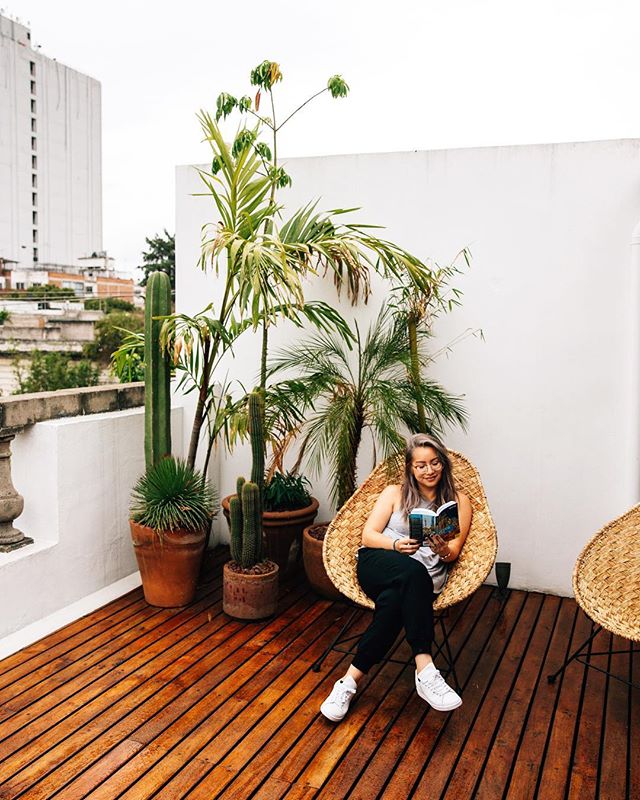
[[343, 538], [606, 583]]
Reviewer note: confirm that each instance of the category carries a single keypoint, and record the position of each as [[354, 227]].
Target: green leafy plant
[[43, 291], [172, 496], [48, 372], [108, 304], [286, 492], [262, 256], [5, 316], [127, 362], [342, 399], [110, 333]]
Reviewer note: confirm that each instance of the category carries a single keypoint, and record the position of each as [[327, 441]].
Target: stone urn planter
[[281, 529], [312, 539], [250, 594], [169, 564]]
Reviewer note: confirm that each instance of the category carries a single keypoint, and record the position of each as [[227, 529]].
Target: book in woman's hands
[[425, 523]]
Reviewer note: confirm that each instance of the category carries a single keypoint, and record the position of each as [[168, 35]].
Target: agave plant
[[342, 399], [172, 496]]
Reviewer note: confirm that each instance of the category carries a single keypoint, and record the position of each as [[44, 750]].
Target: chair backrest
[[606, 577], [343, 536]]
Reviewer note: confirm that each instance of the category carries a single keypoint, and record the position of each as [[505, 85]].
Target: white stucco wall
[[552, 392], [75, 475]]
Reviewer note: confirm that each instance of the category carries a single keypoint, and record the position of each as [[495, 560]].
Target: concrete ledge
[[26, 409]]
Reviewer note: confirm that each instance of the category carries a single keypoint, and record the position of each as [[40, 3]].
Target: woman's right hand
[[407, 546]]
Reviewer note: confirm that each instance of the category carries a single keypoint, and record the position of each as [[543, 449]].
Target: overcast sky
[[422, 74]]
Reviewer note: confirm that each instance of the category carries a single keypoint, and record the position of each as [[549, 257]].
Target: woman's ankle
[[423, 660], [354, 673]]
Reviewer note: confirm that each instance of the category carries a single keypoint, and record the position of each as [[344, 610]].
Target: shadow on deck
[[137, 702]]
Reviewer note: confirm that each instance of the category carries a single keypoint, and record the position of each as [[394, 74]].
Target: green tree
[[48, 372], [110, 333], [160, 255], [342, 397]]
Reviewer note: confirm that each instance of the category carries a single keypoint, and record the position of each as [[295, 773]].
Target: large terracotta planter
[[281, 529], [314, 567], [248, 595], [169, 564]]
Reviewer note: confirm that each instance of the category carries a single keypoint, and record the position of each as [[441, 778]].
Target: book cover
[[425, 523]]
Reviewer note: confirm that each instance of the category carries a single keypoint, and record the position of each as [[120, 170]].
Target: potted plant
[[250, 583], [171, 511], [312, 539], [342, 401], [288, 508]]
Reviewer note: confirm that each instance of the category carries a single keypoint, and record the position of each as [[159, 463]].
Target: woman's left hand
[[439, 546]]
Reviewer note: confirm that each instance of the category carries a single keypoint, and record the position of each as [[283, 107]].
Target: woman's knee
[[416, 574]]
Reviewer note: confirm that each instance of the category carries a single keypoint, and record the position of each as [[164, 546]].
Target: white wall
[[75, 475], [552, 391]]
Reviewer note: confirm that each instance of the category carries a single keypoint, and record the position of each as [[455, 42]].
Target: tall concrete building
[[50, 158]]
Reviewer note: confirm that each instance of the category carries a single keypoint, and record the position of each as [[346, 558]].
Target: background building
[[50, 157]]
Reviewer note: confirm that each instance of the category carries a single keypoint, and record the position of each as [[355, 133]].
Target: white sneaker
[[337, 704], [432, 687]]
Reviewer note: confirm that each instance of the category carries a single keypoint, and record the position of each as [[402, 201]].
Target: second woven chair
[[343, 538]]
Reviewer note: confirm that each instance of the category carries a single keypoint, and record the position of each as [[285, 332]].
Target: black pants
[[402, 590]]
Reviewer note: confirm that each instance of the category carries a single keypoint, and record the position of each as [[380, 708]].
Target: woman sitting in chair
[[402, 578]]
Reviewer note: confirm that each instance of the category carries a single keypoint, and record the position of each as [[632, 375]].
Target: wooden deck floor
[[136, 702]]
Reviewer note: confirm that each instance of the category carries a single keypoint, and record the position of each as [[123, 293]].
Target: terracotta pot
[[281, 529], [314, 567], [249, 596], [169, 564]]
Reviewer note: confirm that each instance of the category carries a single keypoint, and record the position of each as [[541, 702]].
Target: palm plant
[[263, 257], [342, 399]]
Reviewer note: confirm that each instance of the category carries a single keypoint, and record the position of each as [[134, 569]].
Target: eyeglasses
[[436, 466]]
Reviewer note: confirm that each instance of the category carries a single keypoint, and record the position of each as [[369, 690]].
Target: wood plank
[[63, 763], [284, 674], [439, 737], [556, 761], [53, 745], [493, 775], [93, 682], [633, 744], [365, 767], [200, 706], [85, 628], [528, 758], [455, 772], [615, 766], [584, 768]]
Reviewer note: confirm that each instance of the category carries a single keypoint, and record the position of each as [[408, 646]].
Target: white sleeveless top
[[398, 528]]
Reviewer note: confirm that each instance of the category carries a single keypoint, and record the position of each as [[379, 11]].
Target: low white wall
[[75, 475], [552, 392]]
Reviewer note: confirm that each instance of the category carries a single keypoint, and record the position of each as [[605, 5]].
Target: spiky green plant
[[170, 496], [256, 434], [245, 519], [157, 371], [343, 396]]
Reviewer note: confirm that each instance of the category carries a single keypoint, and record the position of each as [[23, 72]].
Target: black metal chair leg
[[448, 657], [318, 663], [552, 678]]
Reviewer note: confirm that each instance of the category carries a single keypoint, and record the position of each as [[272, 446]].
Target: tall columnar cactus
[[157, 371], [246, 525], [256, 433]]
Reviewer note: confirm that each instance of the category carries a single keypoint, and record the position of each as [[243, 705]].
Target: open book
[[425, 523]]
